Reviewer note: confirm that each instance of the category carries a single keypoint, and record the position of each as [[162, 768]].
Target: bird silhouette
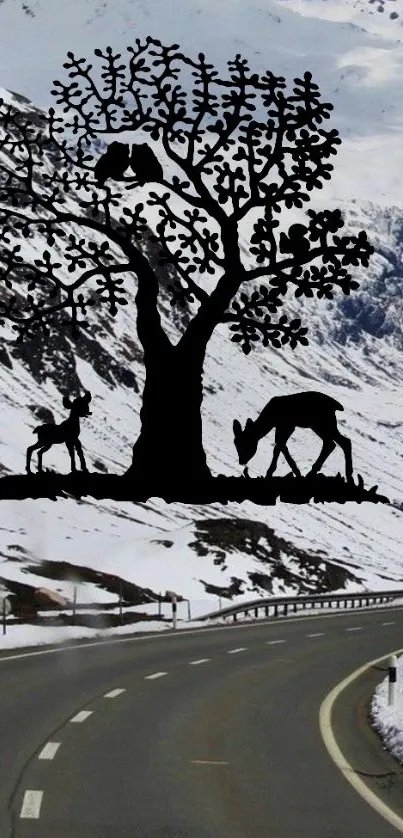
[[113, 163], [145, 164]]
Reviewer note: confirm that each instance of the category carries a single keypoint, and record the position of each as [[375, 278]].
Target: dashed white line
[[316, 634], [390, 623], [81, 716], [50, 750], [156, 675], [355, 628], [114, 693], [273, 642], [31, 804], [234, 651], [196, 663]]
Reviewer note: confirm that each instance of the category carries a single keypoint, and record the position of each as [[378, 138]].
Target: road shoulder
[[356, 747]]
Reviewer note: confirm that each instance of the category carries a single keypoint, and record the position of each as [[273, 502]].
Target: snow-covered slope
[[354, 51], [355, 352]]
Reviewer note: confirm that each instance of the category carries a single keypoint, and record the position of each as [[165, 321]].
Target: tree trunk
[[169, 449]]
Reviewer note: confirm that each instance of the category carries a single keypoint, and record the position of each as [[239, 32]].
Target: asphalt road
[[227, 747]]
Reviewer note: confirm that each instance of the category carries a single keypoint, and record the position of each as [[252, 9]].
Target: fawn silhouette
[[67, 432], [284, 413]]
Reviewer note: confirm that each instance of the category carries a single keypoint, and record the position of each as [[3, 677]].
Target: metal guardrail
[[281, 606]]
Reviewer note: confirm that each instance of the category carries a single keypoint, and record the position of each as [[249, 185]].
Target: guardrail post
[[235, 616], [276, 610], [285, 609], [174, 612], [74, 603], [295, 607], [392, 664], [267, 610], [256, 612], [4, 616]]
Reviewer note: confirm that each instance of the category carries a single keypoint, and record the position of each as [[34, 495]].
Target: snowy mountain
[[355, 351]]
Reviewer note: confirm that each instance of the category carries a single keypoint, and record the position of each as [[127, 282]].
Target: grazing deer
[[67, 432], [285, 413]]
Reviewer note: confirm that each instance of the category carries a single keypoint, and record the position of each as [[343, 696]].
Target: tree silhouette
[[232, 151]]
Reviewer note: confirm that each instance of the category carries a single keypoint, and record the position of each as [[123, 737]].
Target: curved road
[[222, 742]]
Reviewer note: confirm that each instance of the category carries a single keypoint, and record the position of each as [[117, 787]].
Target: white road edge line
[[114, 693], [325, 724], [155, 675], [202, 660], [81, 716], [234, 651], [50, 750], [31, 804]]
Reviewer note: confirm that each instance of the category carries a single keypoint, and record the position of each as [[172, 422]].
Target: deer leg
[[293, 466], [80, 453], [345, 445], [30, 451], [41, 452], [327, 448], [280, 446], [70, 448], [273, 465]]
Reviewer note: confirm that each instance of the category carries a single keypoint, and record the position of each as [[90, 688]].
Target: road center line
[[114, 693], [316, 634], [208, 762], [273, 642], [234, 651], [50, 750], [31, 804], [196, 663], [81, 716], [355, 628], [155, 675], [390, 623]]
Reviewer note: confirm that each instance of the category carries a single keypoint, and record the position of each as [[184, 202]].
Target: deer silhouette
[[67, 432], [285, 413]]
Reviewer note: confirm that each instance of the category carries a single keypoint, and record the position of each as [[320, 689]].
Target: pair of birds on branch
[[117, 159]]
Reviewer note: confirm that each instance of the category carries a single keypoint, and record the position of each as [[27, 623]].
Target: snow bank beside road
[[388, 721], [21, 636]]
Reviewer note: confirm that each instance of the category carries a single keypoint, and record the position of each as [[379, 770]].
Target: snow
[[388, 720], [356, 56], [356, 53], [20, 636]]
